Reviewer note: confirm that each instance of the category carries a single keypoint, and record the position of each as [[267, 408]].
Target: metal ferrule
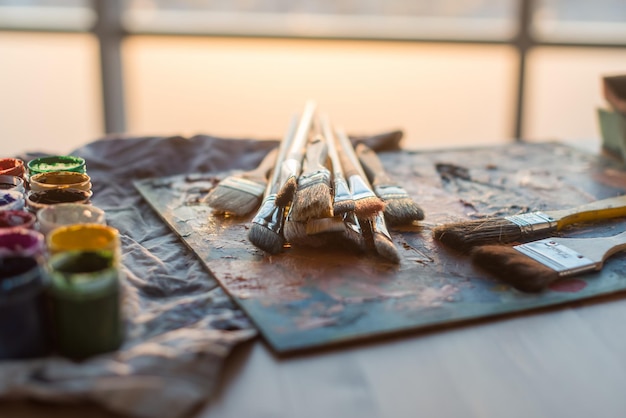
[[558, 257], [359, 188], [351, 221], [388, 192], [270, 216], [378, 225], [533, 222], [318, 177], [342, 192]]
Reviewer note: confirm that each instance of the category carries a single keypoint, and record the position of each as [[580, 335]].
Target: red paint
[[568, 285]]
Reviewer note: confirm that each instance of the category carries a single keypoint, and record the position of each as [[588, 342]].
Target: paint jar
[[12, 167], [56, 163], [11, 200], [60, 180], [21, 242], [24, 331], [16, 219], [84, 237], [12, 183], [63, 214], [36, 201], [85, 303]]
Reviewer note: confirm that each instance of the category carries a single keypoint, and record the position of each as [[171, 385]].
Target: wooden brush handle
[[284, 146], [349, 161], [599, 210], [331, 143], [372, 166], [316, 155], [296, 151], [266, 165]]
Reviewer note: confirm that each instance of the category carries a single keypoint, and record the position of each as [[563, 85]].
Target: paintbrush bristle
[[321, 225], [381, 239], [385, 247], [236, 195], [286, 193], [366, 203], [400, 209], [266, 239], [514, 268], [313, 197], [465, 235], [266, 230], [295, 234]]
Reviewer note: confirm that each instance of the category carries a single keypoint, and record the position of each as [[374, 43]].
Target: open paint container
[[23, 325], [10, 219], [85, 301], [60, 180], [36, 201], [56, 163], [63, 214], [12, 167]]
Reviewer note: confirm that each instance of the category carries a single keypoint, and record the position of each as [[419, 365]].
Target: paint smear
[[568, 286]]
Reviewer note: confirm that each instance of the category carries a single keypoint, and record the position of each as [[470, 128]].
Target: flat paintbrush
[[400, 209], [240, 194], [266, 228], [342, 197], [365, 200], [313, 198], [292, 165], [533, 266], [380, 237], [525, 227]]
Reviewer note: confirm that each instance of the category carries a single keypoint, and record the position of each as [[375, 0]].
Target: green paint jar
[[85, 303], [56, 163]]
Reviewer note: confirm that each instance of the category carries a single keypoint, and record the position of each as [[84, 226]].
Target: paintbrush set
[[314, 191]]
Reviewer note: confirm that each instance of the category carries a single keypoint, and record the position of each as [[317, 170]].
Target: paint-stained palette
[[306, 298]]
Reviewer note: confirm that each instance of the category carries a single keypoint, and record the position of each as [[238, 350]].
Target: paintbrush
[[313, 198], [266, 229], [400, 209], [241, 193], [525, 227], [342, 197], [365, 200], [380, 238], [533, 266], [290, 168]]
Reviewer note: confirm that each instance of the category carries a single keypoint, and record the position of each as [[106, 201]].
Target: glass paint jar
[[62, 214], [85, 303], [11, 200], [60, 180], [56, 163], [16, 219], [21, 242], [36, 201], [84, 237], [12, 183], [24, 331], [12, 167]]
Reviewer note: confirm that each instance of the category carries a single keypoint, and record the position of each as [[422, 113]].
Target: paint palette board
[[305, 298]]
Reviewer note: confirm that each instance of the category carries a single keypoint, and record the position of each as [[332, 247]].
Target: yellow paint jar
[[84, 237]]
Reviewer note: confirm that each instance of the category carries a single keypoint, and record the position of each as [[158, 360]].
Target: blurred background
[[449, 72]]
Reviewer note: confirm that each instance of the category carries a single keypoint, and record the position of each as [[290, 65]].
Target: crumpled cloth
[[180, 325]]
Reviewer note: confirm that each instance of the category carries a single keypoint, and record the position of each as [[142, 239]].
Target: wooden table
[[567, 361]]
